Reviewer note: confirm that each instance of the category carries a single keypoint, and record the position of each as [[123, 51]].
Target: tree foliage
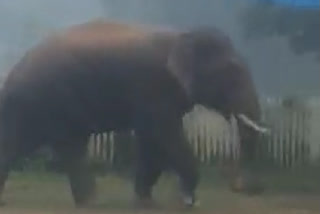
[[299, 25]]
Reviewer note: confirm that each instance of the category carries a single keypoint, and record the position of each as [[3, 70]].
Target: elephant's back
[[63, 76], [91, 45], [100, 34]]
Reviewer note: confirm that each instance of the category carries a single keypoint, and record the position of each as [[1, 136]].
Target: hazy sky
[[276, 70]]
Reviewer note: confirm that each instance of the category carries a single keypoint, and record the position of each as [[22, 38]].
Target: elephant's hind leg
[[149, 168], [10, 151], [4, 171], [73, 156]]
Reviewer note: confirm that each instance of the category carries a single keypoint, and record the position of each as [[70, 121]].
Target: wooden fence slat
[[212, 138]]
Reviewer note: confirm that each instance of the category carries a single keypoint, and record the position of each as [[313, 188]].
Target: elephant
[[105, 75]]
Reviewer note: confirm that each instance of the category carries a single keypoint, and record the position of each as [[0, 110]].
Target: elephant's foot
[[247, 183], [146, 203], [85, 202], [189, 201], [2, 203]]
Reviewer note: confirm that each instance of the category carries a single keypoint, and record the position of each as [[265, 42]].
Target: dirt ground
[[49, 194]]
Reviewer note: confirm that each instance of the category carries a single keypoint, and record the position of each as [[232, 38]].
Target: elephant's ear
[[181, 62]]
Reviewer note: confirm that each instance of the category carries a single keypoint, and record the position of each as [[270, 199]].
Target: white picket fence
[[293, 141]]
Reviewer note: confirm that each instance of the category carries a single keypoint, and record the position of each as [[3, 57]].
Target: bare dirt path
[[47, 194]]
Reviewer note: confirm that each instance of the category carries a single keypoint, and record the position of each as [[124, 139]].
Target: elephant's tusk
[[246, 120]]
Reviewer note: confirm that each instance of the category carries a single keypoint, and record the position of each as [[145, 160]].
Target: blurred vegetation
[[42, 160], [300, 26]]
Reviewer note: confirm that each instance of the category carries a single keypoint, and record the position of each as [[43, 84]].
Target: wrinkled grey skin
[[102, 76]]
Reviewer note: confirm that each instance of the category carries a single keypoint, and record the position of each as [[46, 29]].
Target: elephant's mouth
[[253, 125]]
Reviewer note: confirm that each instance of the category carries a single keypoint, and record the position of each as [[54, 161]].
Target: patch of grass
[[302, 181]]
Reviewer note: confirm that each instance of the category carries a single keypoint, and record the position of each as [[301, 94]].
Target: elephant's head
[[213, 74]]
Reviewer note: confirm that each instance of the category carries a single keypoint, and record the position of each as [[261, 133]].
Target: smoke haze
[[277, 71]]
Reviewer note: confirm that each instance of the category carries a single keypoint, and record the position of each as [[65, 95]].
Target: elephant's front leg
[[182, 161], [163, 146], [179, 156], [150, 164], [247, 176], [73, 156]]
